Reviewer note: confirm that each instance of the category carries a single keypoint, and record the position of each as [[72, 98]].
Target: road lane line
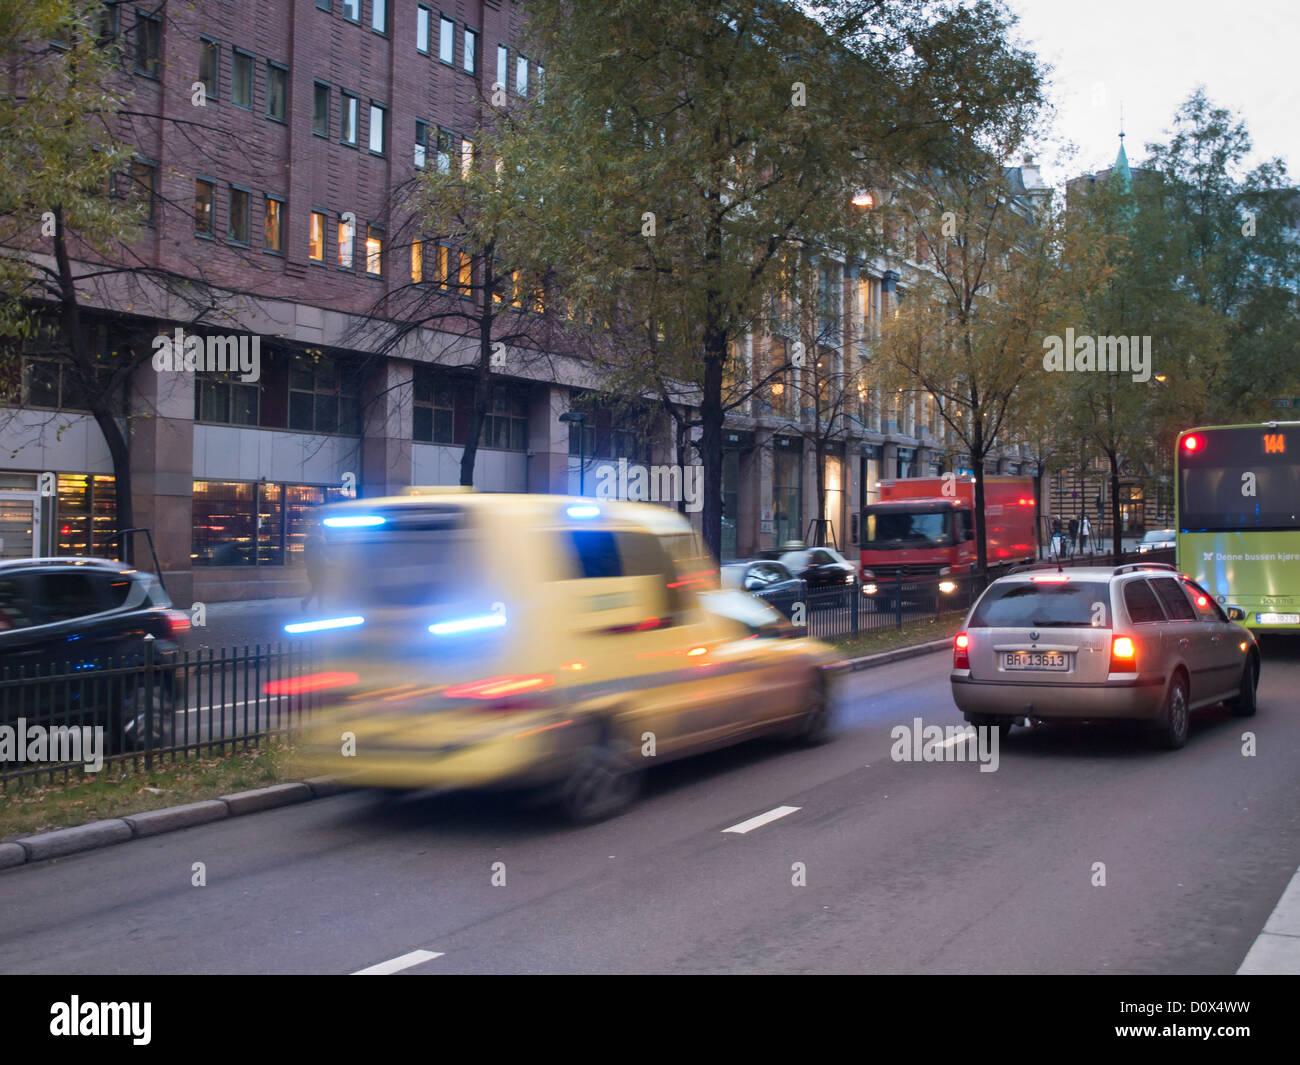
[[961, 737], [761, 820], [396, 965]]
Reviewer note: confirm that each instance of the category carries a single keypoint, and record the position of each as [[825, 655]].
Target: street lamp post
[[581, 419]]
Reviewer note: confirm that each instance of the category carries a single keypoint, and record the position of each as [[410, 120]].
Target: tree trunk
[[103, 398], [711, 418], [820, 458], [1116, 537], [482, 373]]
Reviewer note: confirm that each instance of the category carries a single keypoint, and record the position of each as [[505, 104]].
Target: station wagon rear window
[[1043, 605]]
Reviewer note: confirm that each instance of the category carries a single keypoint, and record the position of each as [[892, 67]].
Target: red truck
[[923, 527]]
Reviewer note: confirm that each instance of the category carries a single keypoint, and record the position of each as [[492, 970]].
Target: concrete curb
[[172, 818], [915, 650], [66, 841]]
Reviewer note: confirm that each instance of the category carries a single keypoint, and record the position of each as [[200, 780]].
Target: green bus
[[1237, 499]]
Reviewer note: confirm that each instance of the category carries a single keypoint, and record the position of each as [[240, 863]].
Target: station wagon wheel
[[601, 785], [1244, 704], [1175, 719]]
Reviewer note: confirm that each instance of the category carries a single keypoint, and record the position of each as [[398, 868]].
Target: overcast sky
[[1149, 55]]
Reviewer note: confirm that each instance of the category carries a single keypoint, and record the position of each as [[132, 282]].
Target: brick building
[[274, 185]]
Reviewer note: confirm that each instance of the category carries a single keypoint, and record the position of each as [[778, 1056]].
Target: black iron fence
[[899, 599], [57, 719]]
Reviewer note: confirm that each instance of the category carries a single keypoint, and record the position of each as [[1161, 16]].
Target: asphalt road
[[910, 866]]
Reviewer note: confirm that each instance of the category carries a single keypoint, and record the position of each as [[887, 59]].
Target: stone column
[[160, 435], [387, 427]]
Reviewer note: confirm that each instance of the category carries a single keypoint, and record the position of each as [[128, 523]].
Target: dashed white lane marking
[[396, 965], [761, 820], [961, 737], [1277, 948]]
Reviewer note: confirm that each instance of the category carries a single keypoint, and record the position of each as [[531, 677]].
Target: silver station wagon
[[1137, 641]]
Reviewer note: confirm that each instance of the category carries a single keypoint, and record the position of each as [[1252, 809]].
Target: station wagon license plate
[[1035, 660], [1277, 619]]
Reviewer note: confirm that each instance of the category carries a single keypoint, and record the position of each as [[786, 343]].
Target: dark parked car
[[820, 567], [766, 578], [87, 619]]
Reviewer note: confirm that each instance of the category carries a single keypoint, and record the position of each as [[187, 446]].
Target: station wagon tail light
[[582, 510], [961, 651], [354, 521], [1051, 578], [1123, 654]]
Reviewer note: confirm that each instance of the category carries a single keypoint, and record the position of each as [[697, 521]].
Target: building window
[[506, 427], [316, 237], [446, 39], [541, 83], [374, 250], [144, 189], [325, 5], [521, 75], [787, 489], [442, 266], [204, 196], [417, 261], [323, 398], [503, 66], [274, 225], [379, 16], [320, 109], [421, 143], [240, 225], [277, 90], [223, 399], [422, 15], [51, 383], [466, 274], [86, 516], [148, 41], [352, 10], [466, 156], [347, 232], [106, 24], [443, 159], [209, 65], [378, 121], [471, 51], [348, 121], [241, 79], [434, 406]]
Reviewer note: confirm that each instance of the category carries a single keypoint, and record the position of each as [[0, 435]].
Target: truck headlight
[[947, 587], [868, 589]]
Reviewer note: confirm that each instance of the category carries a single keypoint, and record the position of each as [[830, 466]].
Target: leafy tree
[[683, 150]]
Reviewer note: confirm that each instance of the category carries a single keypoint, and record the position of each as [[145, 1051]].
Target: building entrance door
[[20, 524]]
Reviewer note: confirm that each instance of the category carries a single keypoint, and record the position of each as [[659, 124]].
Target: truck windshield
[[901, 528]]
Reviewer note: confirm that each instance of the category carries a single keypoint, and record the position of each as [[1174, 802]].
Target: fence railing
[[901, 599], [141, 710]]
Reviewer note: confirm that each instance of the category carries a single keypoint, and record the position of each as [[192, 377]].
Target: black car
[[84, 622], [768, 579]]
